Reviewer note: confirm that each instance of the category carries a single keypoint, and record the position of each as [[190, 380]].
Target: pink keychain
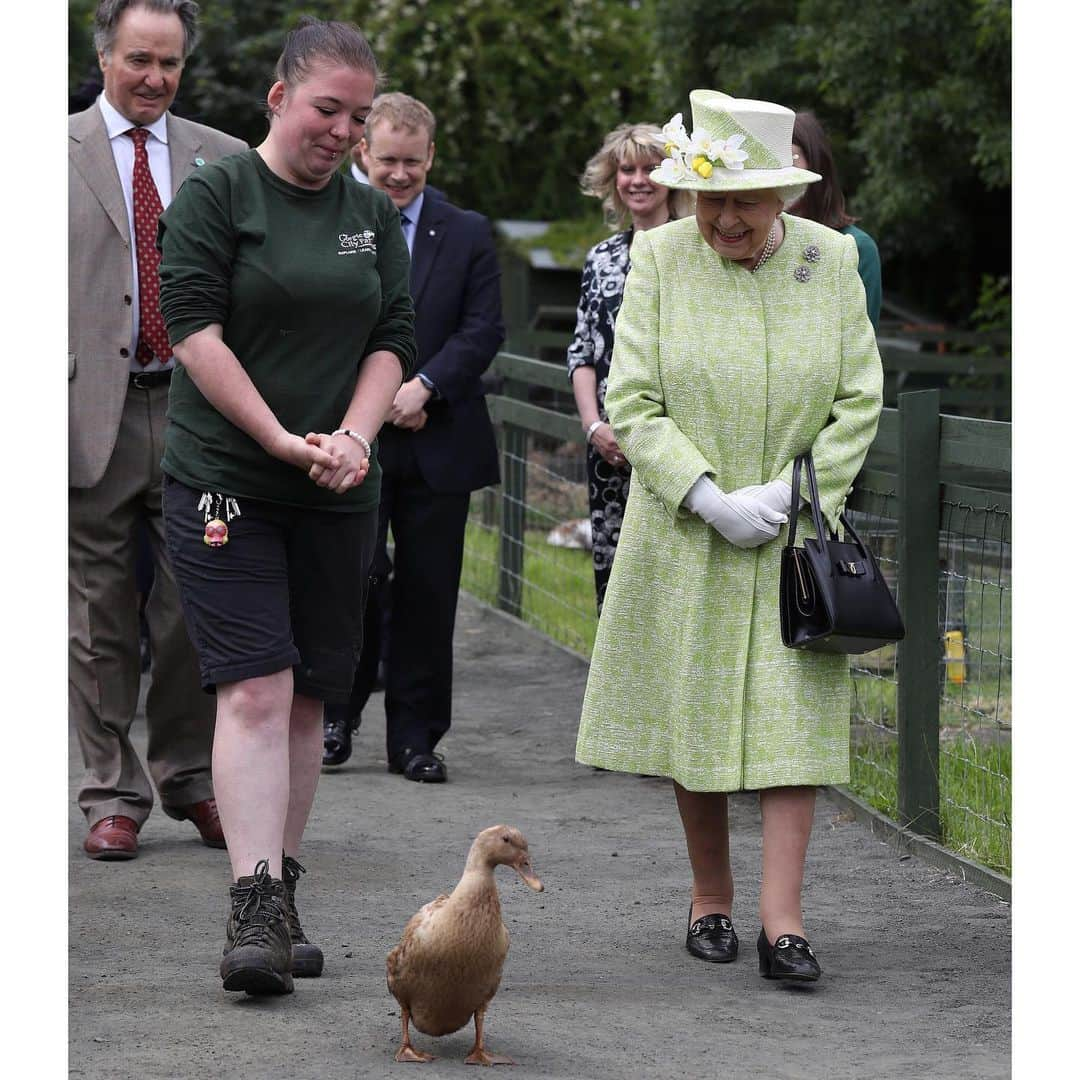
[[212, 505]]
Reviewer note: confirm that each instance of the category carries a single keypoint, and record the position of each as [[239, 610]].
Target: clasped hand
[[336, 462], [407, 410], [347, 466], [747, 517]]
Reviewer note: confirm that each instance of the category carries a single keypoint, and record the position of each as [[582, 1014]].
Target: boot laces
[[290, 874], [259, 908]]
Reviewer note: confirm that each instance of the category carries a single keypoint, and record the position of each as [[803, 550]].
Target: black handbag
[[833, 597]]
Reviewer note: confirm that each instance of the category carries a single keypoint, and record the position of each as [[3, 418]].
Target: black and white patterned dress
[[602, 282]]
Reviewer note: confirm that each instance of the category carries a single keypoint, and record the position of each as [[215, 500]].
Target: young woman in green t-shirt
[[284, 286]]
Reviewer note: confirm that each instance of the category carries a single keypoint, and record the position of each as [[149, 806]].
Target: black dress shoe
[[338, 728], [418, 765], [712, 938], [789, 958]]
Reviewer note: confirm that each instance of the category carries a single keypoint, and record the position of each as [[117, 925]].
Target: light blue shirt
[[412, 212]]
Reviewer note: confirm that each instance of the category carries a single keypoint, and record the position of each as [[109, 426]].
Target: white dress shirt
[[123, 149], [359, 174]]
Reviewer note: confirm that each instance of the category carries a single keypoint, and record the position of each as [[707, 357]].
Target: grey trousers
[[103, 657]]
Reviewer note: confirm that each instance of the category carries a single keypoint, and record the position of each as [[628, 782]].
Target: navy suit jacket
[[454, 282]]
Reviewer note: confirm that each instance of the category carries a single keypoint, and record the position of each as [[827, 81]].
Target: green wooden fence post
[[515, 443], [919, 654]]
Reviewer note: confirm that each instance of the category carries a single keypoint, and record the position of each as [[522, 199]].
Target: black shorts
[[287, 589]]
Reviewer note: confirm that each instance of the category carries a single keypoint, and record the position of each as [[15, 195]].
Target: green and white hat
[[737, 144]]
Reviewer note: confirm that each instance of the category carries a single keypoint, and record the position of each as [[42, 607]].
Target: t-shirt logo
[[362, 243]]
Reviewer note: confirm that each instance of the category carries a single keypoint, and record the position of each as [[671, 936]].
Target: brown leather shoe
[[206, 819], [113, 837]]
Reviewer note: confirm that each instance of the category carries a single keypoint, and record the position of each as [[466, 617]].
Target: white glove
[[776, 494], [743, 520]]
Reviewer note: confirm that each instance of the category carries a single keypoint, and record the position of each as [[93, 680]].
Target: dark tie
[[153, 338]]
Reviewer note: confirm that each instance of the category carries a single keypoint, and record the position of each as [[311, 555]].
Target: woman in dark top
[[824, 203], [284, 286], [618, 174]]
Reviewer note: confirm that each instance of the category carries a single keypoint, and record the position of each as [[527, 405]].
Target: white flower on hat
[[672, 170], [703, 144], [698, 153], [729, 153], [675, 137], [705, 153]]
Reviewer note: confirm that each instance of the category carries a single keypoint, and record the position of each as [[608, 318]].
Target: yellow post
[[955, 668]]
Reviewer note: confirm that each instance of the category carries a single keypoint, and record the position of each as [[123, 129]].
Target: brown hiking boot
[[256, 957], [307, 959]]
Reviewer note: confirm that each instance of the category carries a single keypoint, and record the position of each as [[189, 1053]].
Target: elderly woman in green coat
[[743, 341]]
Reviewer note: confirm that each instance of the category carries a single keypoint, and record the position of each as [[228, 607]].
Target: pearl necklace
[[767, 250]]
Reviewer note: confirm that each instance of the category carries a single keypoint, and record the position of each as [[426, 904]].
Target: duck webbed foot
[[478, 1055], [410, 1053], [406, 1051]]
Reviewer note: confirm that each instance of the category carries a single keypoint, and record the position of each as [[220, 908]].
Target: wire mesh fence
[[974, 678], [873, 675], [976, 682], [555, 584], [527, 551]]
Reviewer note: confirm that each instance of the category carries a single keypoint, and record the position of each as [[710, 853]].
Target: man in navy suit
[[436, 447]]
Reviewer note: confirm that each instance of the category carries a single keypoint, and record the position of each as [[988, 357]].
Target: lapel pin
[[431, 232], [199, 161]]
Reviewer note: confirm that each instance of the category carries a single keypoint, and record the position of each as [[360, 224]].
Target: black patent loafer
[[418, 765], [712, 938], [789, 958], [338, 728]]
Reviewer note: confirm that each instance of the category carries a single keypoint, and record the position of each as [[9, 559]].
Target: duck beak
[[523, 869]]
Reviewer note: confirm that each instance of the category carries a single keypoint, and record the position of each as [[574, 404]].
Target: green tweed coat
[[720, 371]]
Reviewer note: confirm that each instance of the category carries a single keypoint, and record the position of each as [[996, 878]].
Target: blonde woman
[[618, 175]]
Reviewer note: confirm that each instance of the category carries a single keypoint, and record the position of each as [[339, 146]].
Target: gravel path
[[597, 983]]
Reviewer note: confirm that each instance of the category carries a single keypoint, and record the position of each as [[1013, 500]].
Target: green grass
[[557, 591], [975, 779]]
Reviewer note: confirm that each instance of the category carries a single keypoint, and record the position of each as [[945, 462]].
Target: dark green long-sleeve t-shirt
[[305, 284]]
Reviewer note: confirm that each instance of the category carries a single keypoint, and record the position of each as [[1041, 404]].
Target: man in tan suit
[[127, 157]]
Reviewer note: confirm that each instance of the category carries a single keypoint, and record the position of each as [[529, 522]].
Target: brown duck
[[447, 966]]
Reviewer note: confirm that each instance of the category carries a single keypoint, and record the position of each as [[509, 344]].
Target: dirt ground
[[597, 983]]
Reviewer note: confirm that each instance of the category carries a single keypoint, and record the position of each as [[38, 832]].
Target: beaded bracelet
[[355, 435]]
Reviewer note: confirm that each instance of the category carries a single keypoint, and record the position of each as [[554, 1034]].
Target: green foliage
[[568, 242], [916, 97], [523, 93], [81, 56], [228, 75], [994, 308]]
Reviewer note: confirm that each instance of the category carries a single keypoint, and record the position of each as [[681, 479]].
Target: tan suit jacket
[[99, 280]]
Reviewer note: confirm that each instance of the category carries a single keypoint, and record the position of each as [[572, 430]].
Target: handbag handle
[[815, 503], [815, 506], [793, 515]]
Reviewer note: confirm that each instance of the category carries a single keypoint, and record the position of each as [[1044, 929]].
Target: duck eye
[[506, 838]]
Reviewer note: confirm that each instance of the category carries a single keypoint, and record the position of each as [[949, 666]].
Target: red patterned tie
[[153, 338]]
